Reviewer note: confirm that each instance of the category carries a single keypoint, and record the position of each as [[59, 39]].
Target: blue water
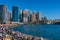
[[51, 32]]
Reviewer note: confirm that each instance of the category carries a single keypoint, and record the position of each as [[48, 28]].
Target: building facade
[[33, 17], [3, 14], [30, 18], [20, 16], [38, 16], [25, 16], [15, 14]]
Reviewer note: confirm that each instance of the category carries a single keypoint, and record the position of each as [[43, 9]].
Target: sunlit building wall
[[8, 15], [25, 16], [20, 16], [40, 16], [33, 17]]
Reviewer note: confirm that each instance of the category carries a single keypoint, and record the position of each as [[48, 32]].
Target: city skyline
[[48, 8]]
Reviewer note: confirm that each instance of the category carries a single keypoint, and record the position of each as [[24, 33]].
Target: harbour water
[[51, 32]]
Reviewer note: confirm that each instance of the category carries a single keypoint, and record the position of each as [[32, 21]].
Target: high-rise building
[[20, 15], [9, 16], [25, 16], [33, 17], [30, 16], [45, 19], [15, 14], [3, 14], [38, 16]]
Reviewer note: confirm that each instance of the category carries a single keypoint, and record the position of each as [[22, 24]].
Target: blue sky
[[49, 8]]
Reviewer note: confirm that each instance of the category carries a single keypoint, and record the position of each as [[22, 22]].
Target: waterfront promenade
[[9, 25]]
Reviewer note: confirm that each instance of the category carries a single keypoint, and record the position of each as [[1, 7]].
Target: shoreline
[[31, 36], [24, 35]]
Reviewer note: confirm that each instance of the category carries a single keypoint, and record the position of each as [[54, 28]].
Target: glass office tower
[[15, 12]]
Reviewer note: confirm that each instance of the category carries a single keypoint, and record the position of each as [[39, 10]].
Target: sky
[[48, 8]]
